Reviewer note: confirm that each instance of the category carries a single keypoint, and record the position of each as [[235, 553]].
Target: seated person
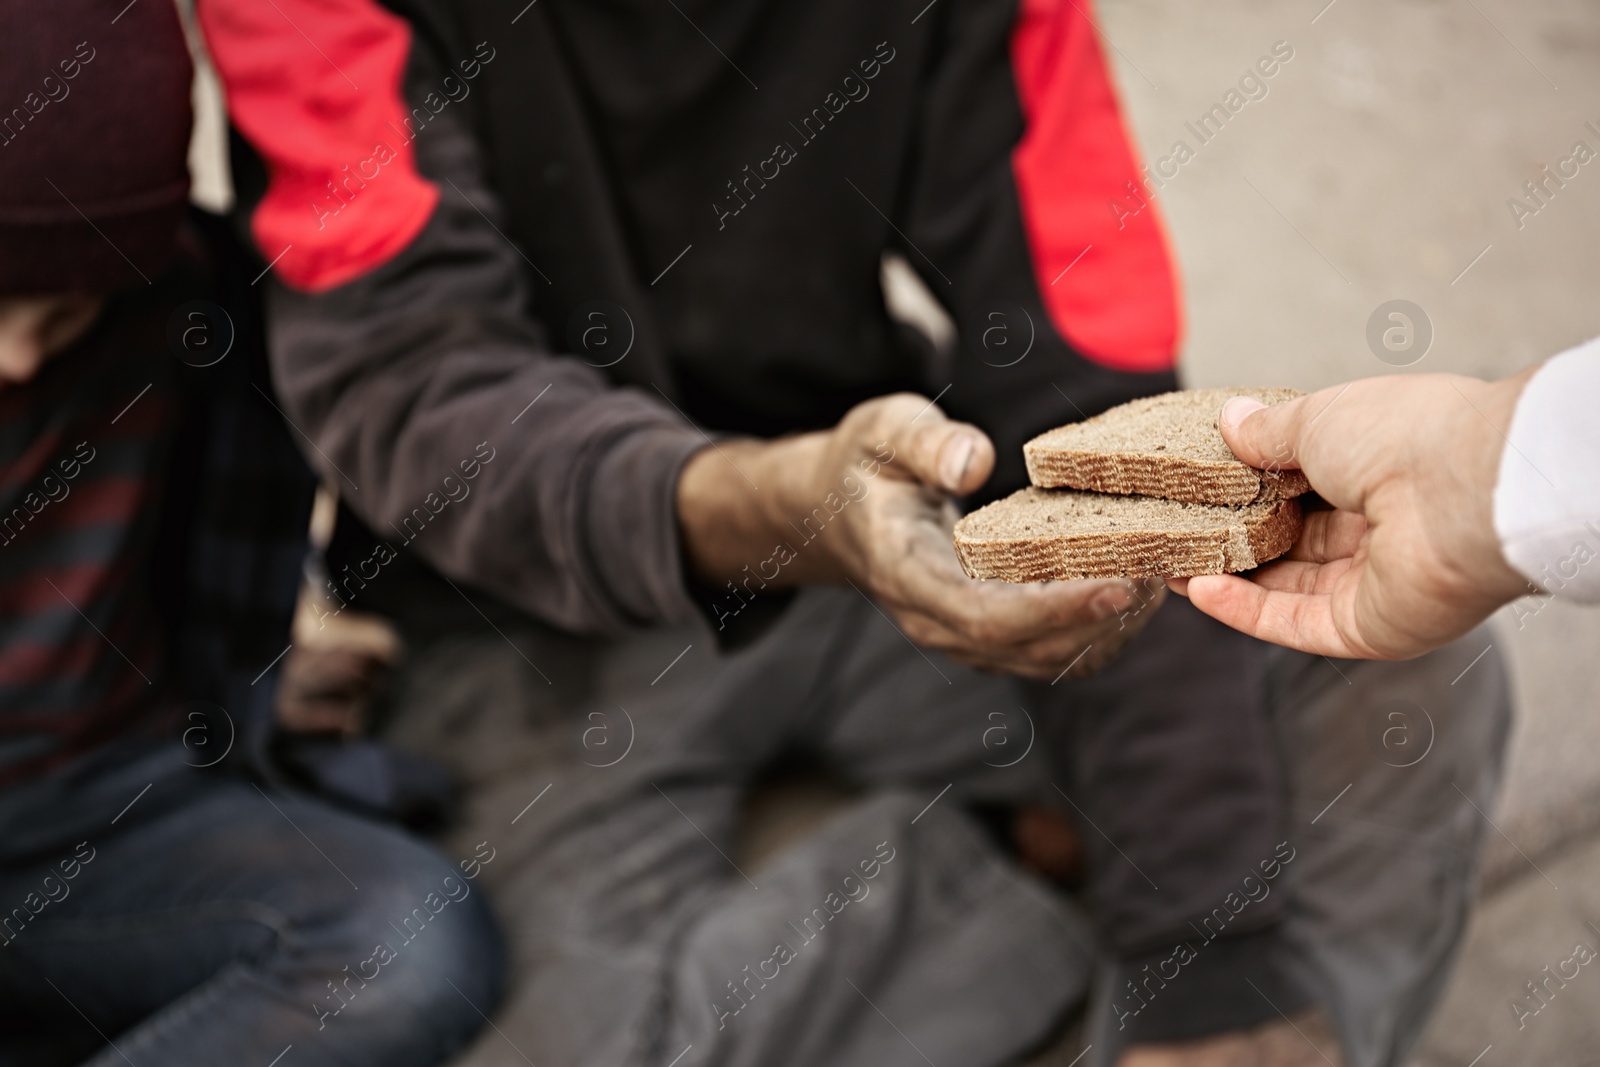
[[164, 897], [587, 330]]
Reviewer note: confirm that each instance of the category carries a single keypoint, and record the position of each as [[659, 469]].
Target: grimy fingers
[[955, 457], [989, 616], [995, 614], [1051, 659]]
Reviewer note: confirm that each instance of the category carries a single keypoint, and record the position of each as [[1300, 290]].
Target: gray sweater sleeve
[[402, 382]]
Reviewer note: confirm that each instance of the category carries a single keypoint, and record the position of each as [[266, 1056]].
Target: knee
[[457, 963], [1471, 693], [1444, 714], [419, 957]]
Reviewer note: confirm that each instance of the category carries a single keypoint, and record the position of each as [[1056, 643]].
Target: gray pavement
[[1536, 921]]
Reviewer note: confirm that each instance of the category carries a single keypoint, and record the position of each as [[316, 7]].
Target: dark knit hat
[[94, 138]]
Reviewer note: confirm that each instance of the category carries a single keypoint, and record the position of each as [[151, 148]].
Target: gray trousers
[[611, 780]]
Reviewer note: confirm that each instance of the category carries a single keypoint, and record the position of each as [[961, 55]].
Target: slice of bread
[[1036, 535], [1160, 446]]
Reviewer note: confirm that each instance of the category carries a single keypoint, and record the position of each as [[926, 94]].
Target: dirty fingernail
[[1238, 409], [953, 464]]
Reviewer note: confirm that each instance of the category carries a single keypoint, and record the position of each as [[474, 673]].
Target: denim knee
[[415, 955]]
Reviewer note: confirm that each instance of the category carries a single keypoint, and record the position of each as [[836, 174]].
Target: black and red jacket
[[644, 219]]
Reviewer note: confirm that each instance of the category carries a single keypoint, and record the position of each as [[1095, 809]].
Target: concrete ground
[[1378, 166], [1534, 922]]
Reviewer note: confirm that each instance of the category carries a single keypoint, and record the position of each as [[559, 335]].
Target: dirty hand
[[869, 503]]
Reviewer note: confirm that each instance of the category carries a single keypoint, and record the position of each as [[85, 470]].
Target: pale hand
[[1408, 560]]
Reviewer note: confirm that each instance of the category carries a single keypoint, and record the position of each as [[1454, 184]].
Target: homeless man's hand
[[868, 503], [327, 689]]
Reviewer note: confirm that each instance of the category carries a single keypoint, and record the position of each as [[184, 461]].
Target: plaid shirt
[[179, 550], [243, 532]]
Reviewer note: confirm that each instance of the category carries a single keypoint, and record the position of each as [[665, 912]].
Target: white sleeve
[[1547, 495]]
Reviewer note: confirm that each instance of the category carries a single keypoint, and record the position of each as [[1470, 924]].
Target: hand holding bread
[[897, 460], [1409, 558]]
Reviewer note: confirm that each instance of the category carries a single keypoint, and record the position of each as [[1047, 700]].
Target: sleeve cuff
[[631, 522], [1546, 496]]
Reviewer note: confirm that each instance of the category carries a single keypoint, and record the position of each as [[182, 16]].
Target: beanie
[[94, 133]]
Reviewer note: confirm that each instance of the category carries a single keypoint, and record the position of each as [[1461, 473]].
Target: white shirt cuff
[[1547, 495]]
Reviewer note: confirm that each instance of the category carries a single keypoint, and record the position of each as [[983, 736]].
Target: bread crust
[[1168, 477], [1167, 445], [1237, 543]]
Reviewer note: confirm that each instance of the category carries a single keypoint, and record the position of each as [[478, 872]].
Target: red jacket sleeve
[[1105, 271]]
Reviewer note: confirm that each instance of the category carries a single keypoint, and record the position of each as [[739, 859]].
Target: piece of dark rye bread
[[1037, 535], [1165, 446]]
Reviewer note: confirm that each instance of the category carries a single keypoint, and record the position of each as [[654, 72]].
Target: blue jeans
[[227, 924]]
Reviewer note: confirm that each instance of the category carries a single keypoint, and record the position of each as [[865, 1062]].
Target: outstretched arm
[[868, 502], [1409, 558]]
